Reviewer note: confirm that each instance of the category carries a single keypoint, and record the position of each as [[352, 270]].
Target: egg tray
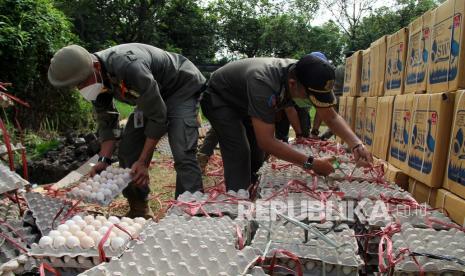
[[217, 227], [64, 256], [447, 243], [107, 200], [358, 190], [8, 210], [163, 146], [180, 254], [8, 251], [9, 180], [19, 265], [45, 208], [308, 248], [304, 207], [277, 179], [201, 204], [401, 214]]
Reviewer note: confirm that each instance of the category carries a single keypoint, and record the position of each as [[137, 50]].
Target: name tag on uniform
[[138, 119]]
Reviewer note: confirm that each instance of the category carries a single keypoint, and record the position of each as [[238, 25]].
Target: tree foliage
[[31, 31]]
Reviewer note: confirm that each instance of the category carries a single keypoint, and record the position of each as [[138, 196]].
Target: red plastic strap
[[45, 266], [101, 252], [71, 211], [6, 139], [2, 222], [429, 221], [240, 237], [298, 272], [13, 242], [23, 149], [15, 98]]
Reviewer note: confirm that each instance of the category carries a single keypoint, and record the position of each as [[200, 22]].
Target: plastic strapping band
[[45, 266]]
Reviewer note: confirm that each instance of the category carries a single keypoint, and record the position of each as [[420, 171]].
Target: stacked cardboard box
[[395, 62], [378, 66], [366, 74], [452, 204], [352, 77], [351, 108], [419, 48], [422, 192], [383, 127], [360, 117]]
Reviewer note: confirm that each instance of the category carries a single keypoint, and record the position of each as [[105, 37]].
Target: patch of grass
[[124, 110]]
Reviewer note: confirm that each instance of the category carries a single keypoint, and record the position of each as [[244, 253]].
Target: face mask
[[302, 103], [91, 92]]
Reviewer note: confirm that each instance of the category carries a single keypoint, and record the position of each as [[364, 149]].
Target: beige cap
[[70, 66]]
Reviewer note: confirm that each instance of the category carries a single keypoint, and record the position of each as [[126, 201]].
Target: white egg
[[86, 194], [59, 241], [77, 218], [75, 191], [104, 174], [99, 196], [93, 196], [109, 169], [97, 224], [63, 227], [107, 224], [126, 176], [66, 234], [72, 242], [103, 230], [137, 226], [131, 230], [116, 243], [113, 219], [88, 188], [107, 192], [95, 236], [87, 242], [123, 224], [102, 219], [112, 235], [110, 176], [139, 220], [70, 222], [80, 234], [89, 182], [88, 229], [82, 185], [95, 189], [97, 177], [54, 233], [120, 182], [114, 188], [74, 228], [81, 224], [127, 220], [45, 241]]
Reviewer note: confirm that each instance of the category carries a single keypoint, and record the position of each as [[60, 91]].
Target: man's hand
[[363, 157], [323, 166], [97, 168], [140, 174]]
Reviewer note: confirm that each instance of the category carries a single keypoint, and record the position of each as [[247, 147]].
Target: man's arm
[[264, 133], [316, 122], [293, 118], [339, 126]]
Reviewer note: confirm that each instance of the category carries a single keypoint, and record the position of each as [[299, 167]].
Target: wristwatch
[[104, 159], [308, 165]]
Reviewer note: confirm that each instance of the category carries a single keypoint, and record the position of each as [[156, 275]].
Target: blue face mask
[[302, 102]]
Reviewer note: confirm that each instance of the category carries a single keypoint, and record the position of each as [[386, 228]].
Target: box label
[[423, 140], [401, 119], [370, 125], [395, 66], [456, 166], [418, 57]]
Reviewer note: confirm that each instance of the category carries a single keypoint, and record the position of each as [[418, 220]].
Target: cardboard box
[[351, 108], [370, 121], [366, 74], [447, 58], [419, 48], [430, 135], [378, 66], [400, 131], [395, 62], [421, 192], [455, 174], [453, 204], [360, 117], [383, 127], [393, 174], [352, 76]]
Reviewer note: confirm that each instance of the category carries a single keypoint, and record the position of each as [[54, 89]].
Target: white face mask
[[91, 92]]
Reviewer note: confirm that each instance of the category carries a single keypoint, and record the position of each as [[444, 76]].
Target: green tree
[[31, 31]]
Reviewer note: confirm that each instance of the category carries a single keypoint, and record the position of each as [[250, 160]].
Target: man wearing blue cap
[[241, 102]]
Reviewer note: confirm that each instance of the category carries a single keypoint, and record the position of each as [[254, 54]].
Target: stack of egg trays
[[183, 246], [44, 209], [163, 146], [358, 190], [449, 243], [74, 257], [22, 235], [9, 180], [223, 204], [316, 256], [19, 265], [8, 210], [401, 214], [306, 208]]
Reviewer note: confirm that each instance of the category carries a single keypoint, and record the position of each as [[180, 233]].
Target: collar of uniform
[[284, 96]]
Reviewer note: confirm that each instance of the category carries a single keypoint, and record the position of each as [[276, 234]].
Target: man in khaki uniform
[[164, 88], [241, 102]]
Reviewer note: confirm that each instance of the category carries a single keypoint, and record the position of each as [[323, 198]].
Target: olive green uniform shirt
[[148, 78]]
